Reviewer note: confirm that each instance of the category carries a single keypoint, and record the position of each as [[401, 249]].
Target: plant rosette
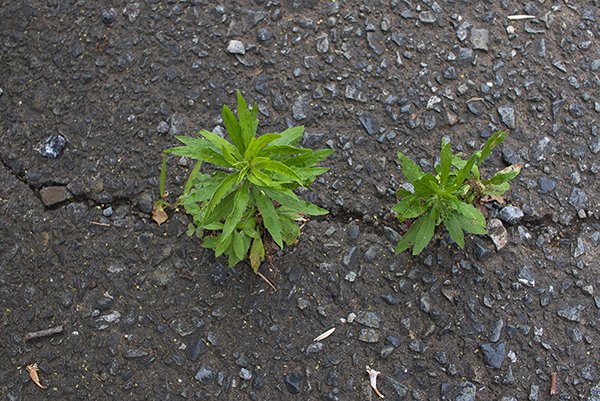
[[247, 200], [448, 197]]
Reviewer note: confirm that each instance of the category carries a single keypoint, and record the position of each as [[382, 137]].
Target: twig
[[43, 333], [97, 223], [267, 281], [553, 383]]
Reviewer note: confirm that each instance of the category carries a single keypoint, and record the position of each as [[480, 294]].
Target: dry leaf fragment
[[33, 374], [159, 215], [373, 379], [325, 335], [493, 198]]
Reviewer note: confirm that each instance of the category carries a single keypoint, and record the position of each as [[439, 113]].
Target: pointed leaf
[[454, 227], [424, 233], [223, 244], [289, 229], [240, 202], [237, 245], [221, 143], [245, 118], [290, 200], [493, 141], [445, 163], [410, 169], [220, 193], [272, 151], [163, 177], [191, 178], [308, 159], [257, 254], [505, 175], [270, 217], [273, 166], [201, 153], [233, 128], [411, 207], [290, 136], [256, 144]]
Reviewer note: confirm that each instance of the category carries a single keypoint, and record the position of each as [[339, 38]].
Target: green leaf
[[505, 175], [220, 192], [411, 207], [470, 226], [246, 121], [237, 245], [309, 174], [201, 153], [427, 185], [257, 254], [220, 212], [425, 232], [223, 244], [445, 163], [273, 166], [407, 239], [493, 141], [472, 213], [454, 227], [282, 150], [211, 241], [289, 229], [308, 159], [233, 128], [260, 179], [221, 143], [191, 178], [256, 144], [163, 177], [410, 169], [240, 202], [269, 215], [465, 172], [290, 136], [499, 189], [289, 199]]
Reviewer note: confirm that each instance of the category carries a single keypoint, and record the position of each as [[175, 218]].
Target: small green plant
[[450, 197], [248, 193]]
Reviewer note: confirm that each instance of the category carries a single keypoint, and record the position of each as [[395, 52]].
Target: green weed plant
[[449, 197], [247, 199]]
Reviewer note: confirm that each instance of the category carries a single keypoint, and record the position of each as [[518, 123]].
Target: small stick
[[267, 281], [97, 223], [553, 383], [43, 333]]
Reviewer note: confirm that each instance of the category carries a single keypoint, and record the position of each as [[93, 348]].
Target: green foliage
[[449, 196], [248, 197]]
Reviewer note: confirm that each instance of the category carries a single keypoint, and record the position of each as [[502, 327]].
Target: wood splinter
[[43, 333], [553, 383]]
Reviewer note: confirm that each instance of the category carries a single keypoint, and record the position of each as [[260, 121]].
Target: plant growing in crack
[[247, 202], [450, 197]]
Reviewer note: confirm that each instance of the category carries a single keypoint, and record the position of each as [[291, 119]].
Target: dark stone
[[293, 383], [53, 147], [571, 312], [546, 184], [493, 355], [54, 195], [204, 375], [195, 348], [465, 391], [146, 203], [109, 16], [370, 123]]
